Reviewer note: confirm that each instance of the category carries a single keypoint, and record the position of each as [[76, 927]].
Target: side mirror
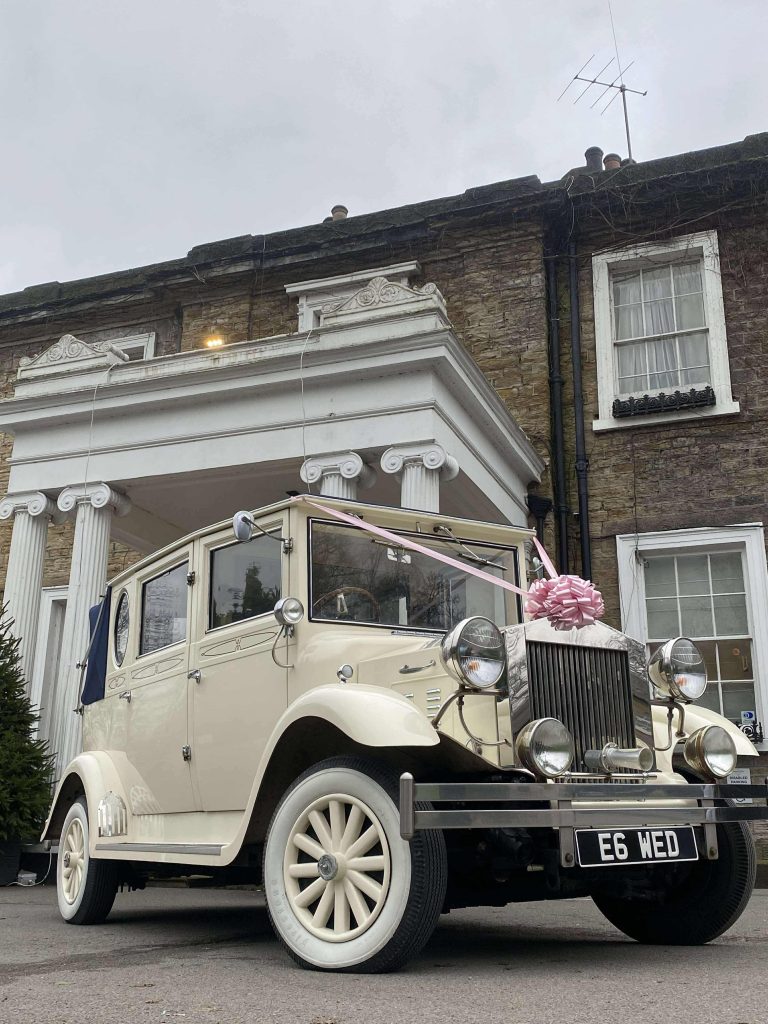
[[242, 526]]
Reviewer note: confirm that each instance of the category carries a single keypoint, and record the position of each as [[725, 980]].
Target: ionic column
[[420, 468], [338, 475], [32, 512], [94, 505]]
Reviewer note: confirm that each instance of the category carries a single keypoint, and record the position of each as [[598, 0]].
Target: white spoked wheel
[[86, 888], [73, 852], [337, 867], [344, 891]]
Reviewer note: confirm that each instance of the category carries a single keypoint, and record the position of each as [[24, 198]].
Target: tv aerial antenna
[[616, 85]]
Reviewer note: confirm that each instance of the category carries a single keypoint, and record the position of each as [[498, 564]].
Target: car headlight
[[289, 611], [711, 751], [474, 653], [545, 747], [677, 670]]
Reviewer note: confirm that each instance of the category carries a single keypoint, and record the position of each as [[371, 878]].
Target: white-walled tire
[[85, 888], [344, 891]]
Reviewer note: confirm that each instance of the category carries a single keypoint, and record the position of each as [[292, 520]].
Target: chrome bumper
[[560, 813]]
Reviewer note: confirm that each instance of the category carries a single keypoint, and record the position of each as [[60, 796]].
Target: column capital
[[99, 495], [347, 465], [428, 453], [34, 503]]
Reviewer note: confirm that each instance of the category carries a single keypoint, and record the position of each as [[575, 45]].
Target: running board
[[195, 849]]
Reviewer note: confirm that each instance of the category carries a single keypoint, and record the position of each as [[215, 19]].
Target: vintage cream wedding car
[[342, 704]]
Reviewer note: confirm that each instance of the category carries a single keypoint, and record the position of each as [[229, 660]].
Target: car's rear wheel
[[85, 887], [698, 904], [344, 891]]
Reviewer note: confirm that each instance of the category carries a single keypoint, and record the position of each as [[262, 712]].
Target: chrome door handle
[[195, 674], [408, 670], [126, 695]]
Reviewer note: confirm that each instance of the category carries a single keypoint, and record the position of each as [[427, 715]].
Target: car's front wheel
[[344, 891], [85, 887], [697, 903]]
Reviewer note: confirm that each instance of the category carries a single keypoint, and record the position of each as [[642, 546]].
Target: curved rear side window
[[122, 626]]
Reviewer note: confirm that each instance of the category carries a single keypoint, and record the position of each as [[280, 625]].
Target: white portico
[[376, 399]]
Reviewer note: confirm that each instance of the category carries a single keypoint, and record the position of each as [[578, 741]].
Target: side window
[[245, 580], [164, 609]]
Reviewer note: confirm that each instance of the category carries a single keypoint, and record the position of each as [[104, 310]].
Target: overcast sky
[[134, 130]]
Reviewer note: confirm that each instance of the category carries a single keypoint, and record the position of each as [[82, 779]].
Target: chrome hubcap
[[328, 866]]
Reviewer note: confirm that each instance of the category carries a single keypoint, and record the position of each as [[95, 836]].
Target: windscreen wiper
[[470, 555]]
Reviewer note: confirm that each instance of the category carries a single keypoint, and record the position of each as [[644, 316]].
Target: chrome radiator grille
[[587, 688]]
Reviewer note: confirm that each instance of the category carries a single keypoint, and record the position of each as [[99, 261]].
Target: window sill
[[657, 419]]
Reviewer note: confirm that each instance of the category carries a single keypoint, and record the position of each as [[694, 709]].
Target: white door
[[156, 689], [241, 692]]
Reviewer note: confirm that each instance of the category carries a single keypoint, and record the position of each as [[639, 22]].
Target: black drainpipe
[[582, 463], [556, 401]]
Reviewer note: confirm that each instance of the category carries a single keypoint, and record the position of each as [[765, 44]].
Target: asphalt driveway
[[201, 955]]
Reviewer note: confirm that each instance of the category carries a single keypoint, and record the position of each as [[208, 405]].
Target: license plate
[[614, 847]]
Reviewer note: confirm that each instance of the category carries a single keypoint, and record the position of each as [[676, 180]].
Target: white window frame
[[748, 538], [703, 245]]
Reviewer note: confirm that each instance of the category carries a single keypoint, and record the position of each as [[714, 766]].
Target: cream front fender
[[369, 715], [92, 773], [697, 717]]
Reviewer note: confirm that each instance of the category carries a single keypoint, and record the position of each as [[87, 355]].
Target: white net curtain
[[660, 328]]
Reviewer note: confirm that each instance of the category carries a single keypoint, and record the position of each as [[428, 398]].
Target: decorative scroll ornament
[[100, 495], [432, 455], [381, 292], [35, 503], [567, 601]]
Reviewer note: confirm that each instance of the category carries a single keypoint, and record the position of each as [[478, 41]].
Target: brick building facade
[[510, 260]]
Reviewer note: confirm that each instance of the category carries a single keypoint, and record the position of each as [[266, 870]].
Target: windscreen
[[359, 578]]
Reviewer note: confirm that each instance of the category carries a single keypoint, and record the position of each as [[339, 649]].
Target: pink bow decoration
[[567, 601]]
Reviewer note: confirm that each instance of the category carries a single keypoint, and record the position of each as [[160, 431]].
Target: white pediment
[[381, 299], [314, 295], [73, 355]]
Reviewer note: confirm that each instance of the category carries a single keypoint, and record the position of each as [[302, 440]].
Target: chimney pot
[[339, 212], [594, 158], [612, 162]]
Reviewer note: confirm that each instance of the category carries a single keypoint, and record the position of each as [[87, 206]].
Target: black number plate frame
[[617, 847]]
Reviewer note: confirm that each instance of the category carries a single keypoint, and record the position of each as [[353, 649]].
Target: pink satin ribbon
[[567, 601]]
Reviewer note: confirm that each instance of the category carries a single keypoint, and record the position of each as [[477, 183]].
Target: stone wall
[[708, 472]]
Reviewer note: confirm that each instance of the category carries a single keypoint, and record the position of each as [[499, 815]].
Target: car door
[[156, 689], [240, 690]]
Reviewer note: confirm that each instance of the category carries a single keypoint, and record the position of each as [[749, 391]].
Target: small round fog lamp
[[545, 747], [711, 751], [474, 653], [677, 670], [289, 611]]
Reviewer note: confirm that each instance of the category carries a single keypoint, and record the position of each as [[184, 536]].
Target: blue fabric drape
[[96, 660]]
